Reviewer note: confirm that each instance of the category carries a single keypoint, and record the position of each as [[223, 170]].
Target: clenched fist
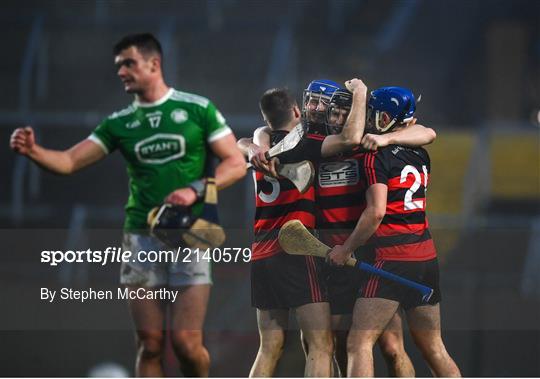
[[22, 140], [355, 85], [374, 141]]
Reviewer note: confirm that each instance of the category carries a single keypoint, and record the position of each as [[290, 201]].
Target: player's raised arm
[[352, 132], [62, 162]]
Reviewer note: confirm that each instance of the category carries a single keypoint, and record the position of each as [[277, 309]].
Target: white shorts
[[160, 274]]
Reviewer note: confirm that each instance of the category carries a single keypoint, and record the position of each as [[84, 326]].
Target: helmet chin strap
[[378, 116]]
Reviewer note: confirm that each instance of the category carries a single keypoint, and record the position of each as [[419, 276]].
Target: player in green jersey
[[165, 137]]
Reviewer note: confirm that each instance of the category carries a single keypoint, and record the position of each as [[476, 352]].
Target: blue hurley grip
[[424, 290]]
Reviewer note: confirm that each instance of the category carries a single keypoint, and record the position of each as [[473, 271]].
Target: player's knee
[[273, 345], [321, 342], [390, 353], [150, 345], [433, 355], [391, 346], [187, 343], [356, 345], [431, 348]]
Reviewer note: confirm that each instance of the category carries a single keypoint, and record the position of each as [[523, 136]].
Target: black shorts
[[286, 281], [344, 283], [423, 272], [343, 286]]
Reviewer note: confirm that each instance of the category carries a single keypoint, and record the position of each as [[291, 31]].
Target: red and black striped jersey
[[403, 234], [278, 200], [340, 194]]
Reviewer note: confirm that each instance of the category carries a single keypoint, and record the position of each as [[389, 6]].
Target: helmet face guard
[[397, 103], [315, 101], [338, 111], [314, 107], [375, 122]]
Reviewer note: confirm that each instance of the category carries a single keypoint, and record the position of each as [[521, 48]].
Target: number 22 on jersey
[[408, 203]]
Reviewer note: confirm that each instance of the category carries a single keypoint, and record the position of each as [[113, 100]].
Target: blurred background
[[475, 63]]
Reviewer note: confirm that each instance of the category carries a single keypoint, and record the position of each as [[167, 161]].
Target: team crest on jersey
[[179, 116], [397, 149], [160, 148], [154, 118], [338, 174]]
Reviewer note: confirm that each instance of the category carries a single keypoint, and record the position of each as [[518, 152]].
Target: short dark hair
[[146, 43], [276, 105]]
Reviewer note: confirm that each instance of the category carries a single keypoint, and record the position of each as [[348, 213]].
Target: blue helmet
[[397, 102], [323, 86], [318, 91]]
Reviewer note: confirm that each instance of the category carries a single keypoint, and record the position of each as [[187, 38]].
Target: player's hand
[[260, 162], [182, 196], [23, 140], [272, 167], [374, 141], [356, 85], [257, 157], [338, 256], [256, 152]]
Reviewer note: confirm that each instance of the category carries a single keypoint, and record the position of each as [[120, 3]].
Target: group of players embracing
[[367, 199]]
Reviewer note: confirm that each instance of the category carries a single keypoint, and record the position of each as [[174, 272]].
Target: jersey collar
[[166, 97]]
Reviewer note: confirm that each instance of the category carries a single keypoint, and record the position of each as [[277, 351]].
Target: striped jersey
[[340, 194], [278, 200], [403, 234]]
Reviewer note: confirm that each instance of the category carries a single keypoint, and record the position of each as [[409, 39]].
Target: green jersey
[[164, 144]]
